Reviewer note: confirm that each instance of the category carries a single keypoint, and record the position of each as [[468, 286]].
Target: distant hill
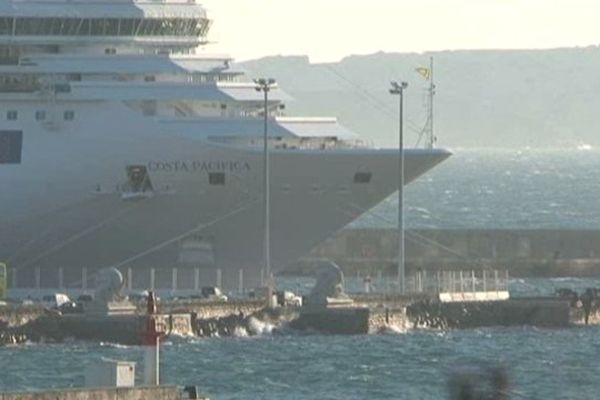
[[504, 98]]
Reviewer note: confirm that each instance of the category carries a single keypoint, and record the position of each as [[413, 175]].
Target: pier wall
[[17, 315], [541, 312], [212, 310], [383, 318], [135, 393], [524, 253]]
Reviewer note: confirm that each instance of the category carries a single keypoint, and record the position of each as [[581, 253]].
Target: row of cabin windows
[[27, 26], [218, 179], [40, 115]]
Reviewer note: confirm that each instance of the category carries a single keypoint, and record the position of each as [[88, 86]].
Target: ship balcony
[[297, 143], [148, 41], [17, 85]]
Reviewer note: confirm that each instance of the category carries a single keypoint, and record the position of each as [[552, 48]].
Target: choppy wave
[[258, 327], [416, 364], [392, 330], [531, 189]]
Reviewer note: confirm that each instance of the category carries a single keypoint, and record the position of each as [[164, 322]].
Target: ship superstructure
[[123, 143]]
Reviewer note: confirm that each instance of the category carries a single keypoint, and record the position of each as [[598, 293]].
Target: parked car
[[85, 298], [213, 293], [71, 308], [54, 301], [137, 297], [286, 298], [258, 293]]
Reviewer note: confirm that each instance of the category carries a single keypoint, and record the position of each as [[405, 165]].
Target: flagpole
[[431, 94], [398, 89]]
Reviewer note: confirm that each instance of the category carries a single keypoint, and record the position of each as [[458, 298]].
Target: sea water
[[284, 364], [541, 363], [515, 189], [473, 189]]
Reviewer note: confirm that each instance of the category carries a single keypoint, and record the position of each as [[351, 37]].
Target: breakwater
[[541, 312], [202, 318], [121, 393], [369, 313], [523, 252]]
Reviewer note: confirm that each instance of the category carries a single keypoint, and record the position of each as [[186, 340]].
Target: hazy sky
[[328, 30]]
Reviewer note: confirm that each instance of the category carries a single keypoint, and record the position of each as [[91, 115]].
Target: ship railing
[[9, 60], [455, 283], [469, 281], [321, 145], [18, 87]]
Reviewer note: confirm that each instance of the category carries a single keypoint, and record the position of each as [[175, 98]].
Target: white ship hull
[[124, 144], [67, 212]]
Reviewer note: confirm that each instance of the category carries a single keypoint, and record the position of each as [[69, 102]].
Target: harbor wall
[[211, 309], [541, 312], [16, 314], [135, 393], [524, 253]]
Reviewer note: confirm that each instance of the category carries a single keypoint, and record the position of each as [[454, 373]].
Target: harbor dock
[[112, 393], [447, 300]]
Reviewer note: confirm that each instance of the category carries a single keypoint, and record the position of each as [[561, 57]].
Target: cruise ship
[[124, 143]]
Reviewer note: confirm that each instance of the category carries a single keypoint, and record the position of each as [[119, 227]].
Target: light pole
[[265, 85], [398, 89]]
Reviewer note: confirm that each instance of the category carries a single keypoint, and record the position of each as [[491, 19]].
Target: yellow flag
[[424, 72]]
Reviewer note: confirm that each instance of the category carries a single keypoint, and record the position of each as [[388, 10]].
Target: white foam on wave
[[258, 327], [392, 330], [240, 331], [567, 279], [115, 345], [181, 335], [277, 384]]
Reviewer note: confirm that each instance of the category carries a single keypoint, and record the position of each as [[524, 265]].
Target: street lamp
[[265, 85], [398, 89]]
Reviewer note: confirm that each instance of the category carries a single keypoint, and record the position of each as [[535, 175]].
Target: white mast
[[431, 138], [427, 130]]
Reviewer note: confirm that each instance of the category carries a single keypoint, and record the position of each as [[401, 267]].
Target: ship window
[[11, 144], [69, 115], [40, 115], [216, 178], [104, 26], [148, 27], [111, 27], [5, 26], [25, 26], [97, 27], [128, 26], [71, 25], [12, 115], [74, 77], [362, 177], [85, 28]]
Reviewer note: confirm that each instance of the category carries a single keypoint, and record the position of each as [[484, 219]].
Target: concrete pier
[[366, 314], [334, 321], [541, 312], [133, 393]]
